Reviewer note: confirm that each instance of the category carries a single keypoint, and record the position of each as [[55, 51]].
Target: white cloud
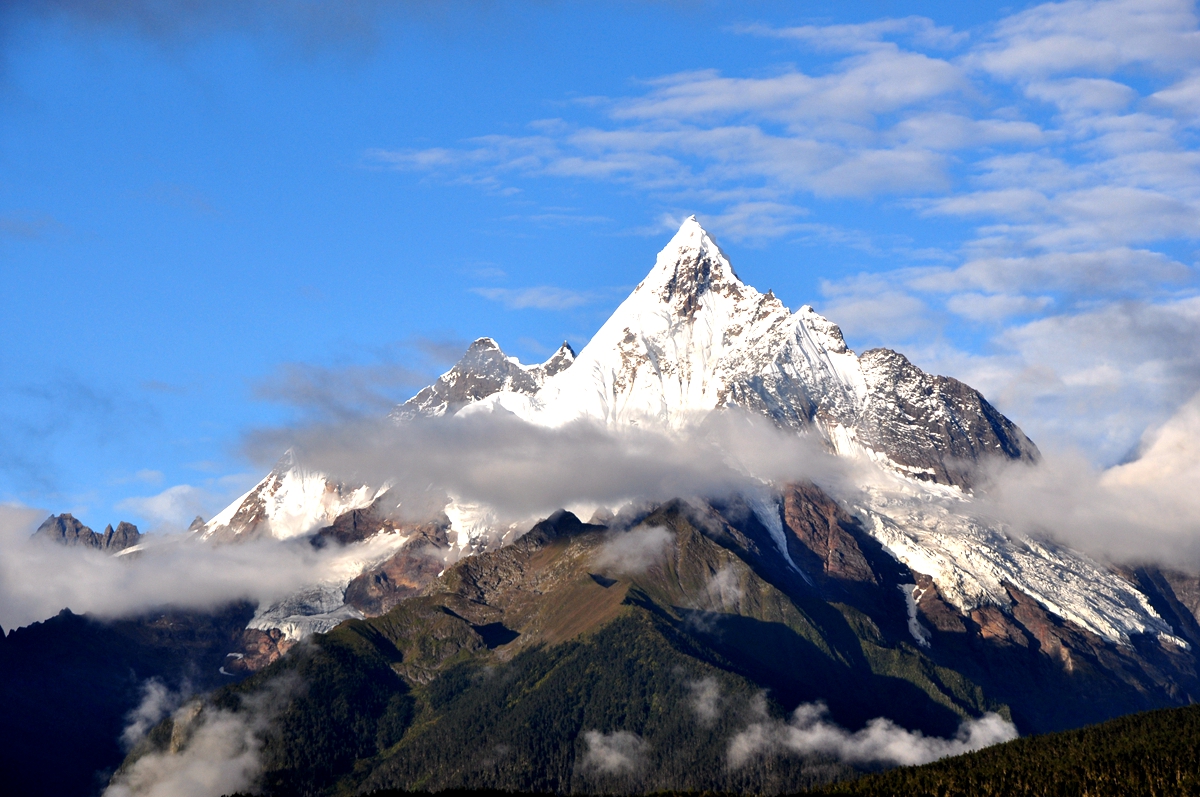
[[1182, 97], [633, 551], [37, 580], [809, 732], [867, 35], [1116, 271], [157, 702], [1076, 95], [613, 753], [1054, 38], [541, 297], [874, 306], [996, 306], [220, 750], [706, 699], [175, 506]]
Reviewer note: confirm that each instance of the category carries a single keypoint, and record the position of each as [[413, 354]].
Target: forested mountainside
[[1150, 753], [529, 667]]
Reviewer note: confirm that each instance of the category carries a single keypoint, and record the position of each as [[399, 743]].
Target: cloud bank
[[1144, 511], [521, 470]]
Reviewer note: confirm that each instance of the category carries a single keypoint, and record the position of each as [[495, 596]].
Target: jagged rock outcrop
[[65, 529], [404, 574]]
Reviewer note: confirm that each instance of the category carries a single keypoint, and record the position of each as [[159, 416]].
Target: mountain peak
[[688, 267], [483, 344]]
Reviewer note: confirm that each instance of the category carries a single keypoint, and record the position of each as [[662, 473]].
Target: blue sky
[[217, 220]]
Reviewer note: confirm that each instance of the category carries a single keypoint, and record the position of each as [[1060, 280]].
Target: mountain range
[[691, 641]]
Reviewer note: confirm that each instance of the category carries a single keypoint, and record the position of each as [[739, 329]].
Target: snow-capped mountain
[[290, 501], [693, 339]]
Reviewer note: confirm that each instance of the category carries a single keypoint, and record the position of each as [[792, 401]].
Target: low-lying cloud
[[809, 732], [158, 701], [212, 751], [1147, 510], [634, 551], [706, 700], [38, 579], [619, 752], [522, 470]]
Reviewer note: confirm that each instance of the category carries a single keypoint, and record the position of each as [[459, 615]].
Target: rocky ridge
[[483, 371], [65, 529]]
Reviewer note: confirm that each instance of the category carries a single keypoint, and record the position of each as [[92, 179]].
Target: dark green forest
[[1155, 754]]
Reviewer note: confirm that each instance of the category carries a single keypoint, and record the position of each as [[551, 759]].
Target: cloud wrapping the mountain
[[808, 731], [38, 579], [1147, 510], [522, 470], [614, 753], [220, 750], [633, 551], [158, 701], [706, 700]]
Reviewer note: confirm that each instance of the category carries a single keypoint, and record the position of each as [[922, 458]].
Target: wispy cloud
[[540, 297], [27, 227], [344, 392]]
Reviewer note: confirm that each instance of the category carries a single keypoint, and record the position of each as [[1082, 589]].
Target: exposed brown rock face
[[828, 545], [256, 649], [934, 609], [64, 529], [404, 575], [355, 526], [993, 625]]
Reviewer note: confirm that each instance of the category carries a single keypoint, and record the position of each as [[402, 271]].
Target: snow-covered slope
[[290, 502], [935, 531]]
